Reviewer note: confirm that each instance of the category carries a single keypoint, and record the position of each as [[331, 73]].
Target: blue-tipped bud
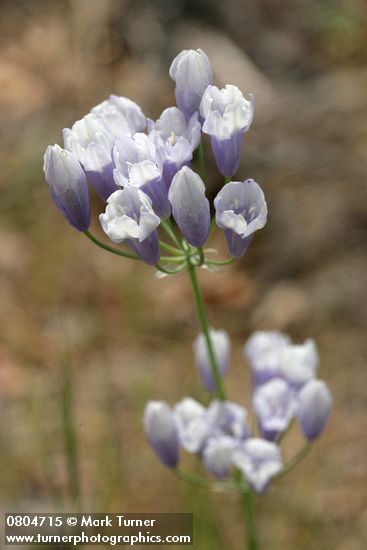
[[222, 351], [190, 207], [315, 403], [161, 432], [240, 210], [192, 72], [68, 186]]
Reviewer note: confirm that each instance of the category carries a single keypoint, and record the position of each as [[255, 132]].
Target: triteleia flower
[[161, 432], [190, 207], [314, 407], [139, 163], [192, 72], [227, 116], [217, 455], [91, 142], [274, 405], [222, 350], [130, 111], [129, 217], [263, 351], [299, 363], [176, 138], [172, 125], [240, 210], [176, 154], [92, 138], [259, 461], [192, 424], [68, 186]]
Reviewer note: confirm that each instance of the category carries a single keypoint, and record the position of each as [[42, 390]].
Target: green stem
[[110, 248], [201, 256], [170, 248], [170, 271], [220, 262], [169, 229], [296, 459], [173, 259], [213, 225], [223, 486], [191, 478], [70, 436], [205, 329], [248, 511], [226, 180]]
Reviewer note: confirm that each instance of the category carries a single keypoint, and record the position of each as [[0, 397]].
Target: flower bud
[[222, 350], [68, 186], [240, 210], [259, 461], [227, 116], [315, 403], [192, 72], [190, 207], [161, 432], [129, 217]]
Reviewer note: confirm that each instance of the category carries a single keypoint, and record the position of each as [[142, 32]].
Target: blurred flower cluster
[[224, 434]]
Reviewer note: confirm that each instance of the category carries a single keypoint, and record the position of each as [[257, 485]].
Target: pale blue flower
[[129, 217], [192, 425], [92, 139], [259, 461], [275, 406], [218, 455], [139, 163], [240, 210], [132, 115], [263, 351], [228, 418], [227, 116], [299, 362]]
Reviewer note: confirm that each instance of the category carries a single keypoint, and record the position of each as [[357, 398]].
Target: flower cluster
[[144, 170], [141, 167], [221, 435]]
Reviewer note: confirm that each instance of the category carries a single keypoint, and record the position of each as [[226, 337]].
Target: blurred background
[[87, 338]]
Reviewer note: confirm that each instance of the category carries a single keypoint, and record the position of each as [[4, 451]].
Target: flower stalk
[[201, 310]]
